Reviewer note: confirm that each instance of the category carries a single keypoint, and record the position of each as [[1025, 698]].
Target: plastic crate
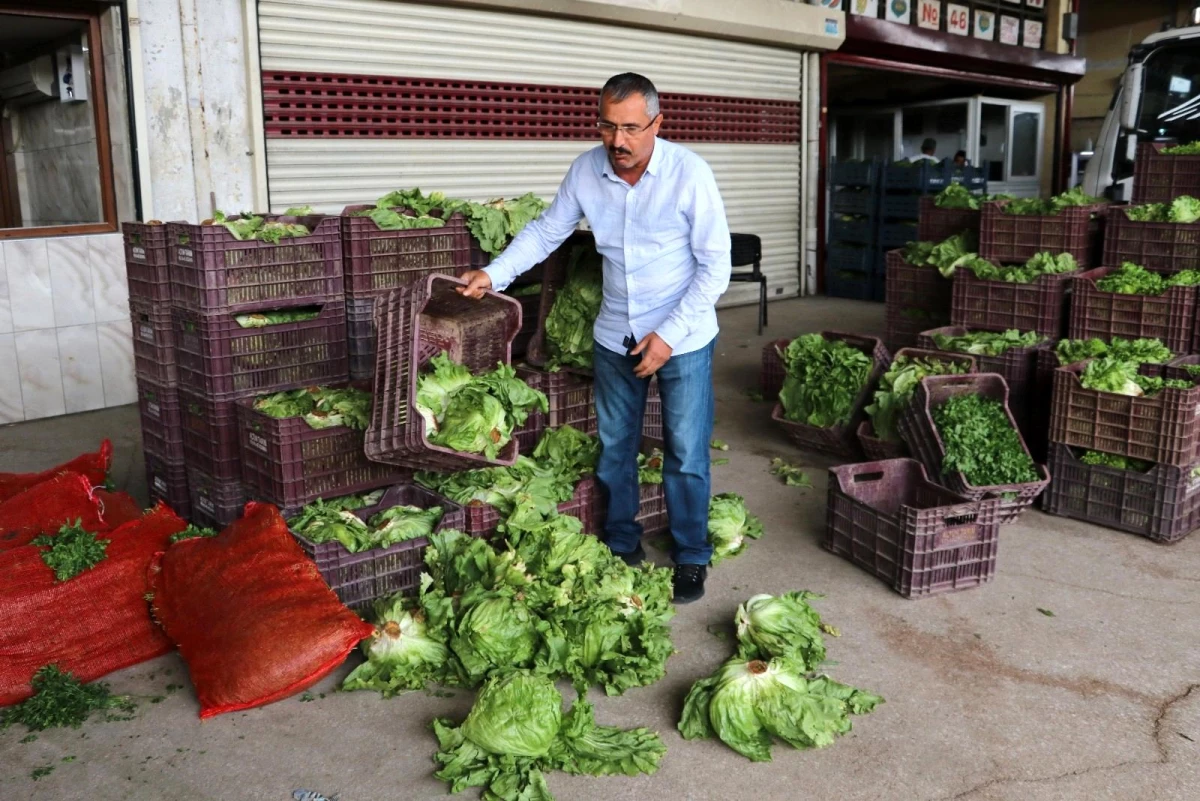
[[166, 482], [483, 520], [877, 449], [936, 224], [897, 235], [554, 276], [982, 305], [925, 177], [854, 173], [220, 359], [857, 259], [841, 440], [1162, 505], [905, 207], [210, 436], [1169, 317], [358, 579], [860, 230], [288, 463], [974, 178], [565, 408], [571, 398], [214, 272], [1016, 238], [153, 334], [1161, 179], [377, 261], [146, 262], [360, 338], [1162, 247], [905, 325], [851, 285], [215, 503], [1018, 367], [888, 518], [920, 433], [529, 317], [415, 325], [920, 287], [1164, 427], [162, 430], [770, 379], [854, 202]]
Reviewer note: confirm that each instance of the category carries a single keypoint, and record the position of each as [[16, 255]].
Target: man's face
[[627, 131]]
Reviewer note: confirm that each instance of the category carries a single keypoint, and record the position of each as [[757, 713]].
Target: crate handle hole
[[863, 478]]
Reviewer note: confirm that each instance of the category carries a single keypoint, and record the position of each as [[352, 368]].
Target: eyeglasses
[[608, 129]]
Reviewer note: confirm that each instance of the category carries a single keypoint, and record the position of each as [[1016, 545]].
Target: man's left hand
[[655, 353]]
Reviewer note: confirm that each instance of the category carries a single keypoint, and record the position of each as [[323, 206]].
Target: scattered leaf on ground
[[719, 462], [718, 445], [792, 475], [1046, 612], [755, 394]]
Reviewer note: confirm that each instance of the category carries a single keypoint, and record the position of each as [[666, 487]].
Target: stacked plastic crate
[[852, 268], [146, 265], [1124, 462], [249, 317]]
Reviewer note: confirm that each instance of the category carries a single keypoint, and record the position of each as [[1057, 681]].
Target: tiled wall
[[65, 343]]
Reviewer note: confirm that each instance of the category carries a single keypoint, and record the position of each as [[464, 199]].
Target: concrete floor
[[987, 699]]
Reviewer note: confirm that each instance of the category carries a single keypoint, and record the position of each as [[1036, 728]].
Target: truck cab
[[1157, 100]]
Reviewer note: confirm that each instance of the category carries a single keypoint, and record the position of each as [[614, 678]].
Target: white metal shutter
[[760, 183]]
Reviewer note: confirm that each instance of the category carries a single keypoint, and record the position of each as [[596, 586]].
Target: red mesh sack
[[95, 623], [46, 507], [93, 465], [117, 508], [251, 615]]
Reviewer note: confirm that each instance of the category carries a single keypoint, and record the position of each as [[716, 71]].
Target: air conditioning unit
[[31, 82]]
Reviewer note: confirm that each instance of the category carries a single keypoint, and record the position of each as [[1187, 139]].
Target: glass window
[[56, 167], [1171, 94], [1025, 144]]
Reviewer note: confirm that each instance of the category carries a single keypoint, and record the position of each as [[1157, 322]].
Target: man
[[660, 225], [960, 159], [928, 148]]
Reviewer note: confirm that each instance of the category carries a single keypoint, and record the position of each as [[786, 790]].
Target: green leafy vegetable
[[493, 224], [1120, 377], [71, 551], [792, 475], [747, 702], [1037, 266], [60, 700], [729, 526], [1140, 351], [987, 343], [1043, 208], [957, 196], [1184, 209], [981, 442], [265, 319], [1133, 279], [321, 407], [1189, 149], [516, 732], [192, 532], [474, 414], [1046, 612], [252, 226], [718, 445], [527, 291], [401, 653], [897, 387], [824, 380], [781, 625], [1113, 460], [330, 522], [650, 467], [576, 305], [299, 211]]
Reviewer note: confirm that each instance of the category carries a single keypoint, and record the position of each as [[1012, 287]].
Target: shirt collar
[[652, 168]]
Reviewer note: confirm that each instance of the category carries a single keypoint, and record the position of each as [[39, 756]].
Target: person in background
[[660, 225], [960, 159], [928, 148]]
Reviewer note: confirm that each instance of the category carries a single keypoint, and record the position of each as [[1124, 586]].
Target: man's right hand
[[478, 282]]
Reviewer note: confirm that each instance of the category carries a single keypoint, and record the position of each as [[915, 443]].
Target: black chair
[[747, 251]]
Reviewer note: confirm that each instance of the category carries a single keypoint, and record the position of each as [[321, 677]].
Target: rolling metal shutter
[[498, 104]]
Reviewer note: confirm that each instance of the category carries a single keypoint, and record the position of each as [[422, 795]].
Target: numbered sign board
[[1032, 34], [958, 19], [929, 14]]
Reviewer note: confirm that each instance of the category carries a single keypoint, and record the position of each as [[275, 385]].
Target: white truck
[[1157, 100]]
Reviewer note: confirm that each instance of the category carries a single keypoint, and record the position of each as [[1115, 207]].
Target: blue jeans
[[685, 383]]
